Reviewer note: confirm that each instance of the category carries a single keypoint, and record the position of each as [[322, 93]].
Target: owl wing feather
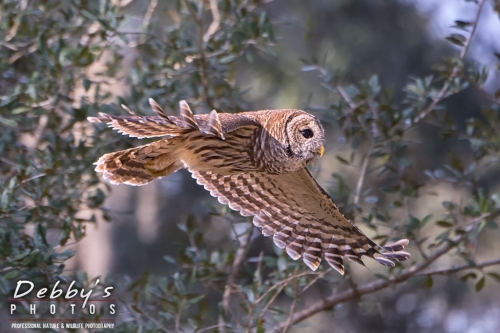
[[302, 218], [162, 125]]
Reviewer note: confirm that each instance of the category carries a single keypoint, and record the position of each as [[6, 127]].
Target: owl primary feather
[[255, 162]]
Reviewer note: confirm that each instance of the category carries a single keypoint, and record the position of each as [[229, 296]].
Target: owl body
[[255, 162]]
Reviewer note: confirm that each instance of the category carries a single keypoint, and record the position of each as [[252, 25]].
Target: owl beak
[[321, 151]]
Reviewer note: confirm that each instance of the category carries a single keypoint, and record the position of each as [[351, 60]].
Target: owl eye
[[307, 133]]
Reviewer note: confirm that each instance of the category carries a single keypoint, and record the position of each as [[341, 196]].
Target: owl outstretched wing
[[163, 125], [300, 216], [207, 137]]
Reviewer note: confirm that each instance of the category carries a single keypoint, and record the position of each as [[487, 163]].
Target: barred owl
[[255, 162]]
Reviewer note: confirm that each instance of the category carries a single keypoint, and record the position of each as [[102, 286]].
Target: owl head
[[305, 136]]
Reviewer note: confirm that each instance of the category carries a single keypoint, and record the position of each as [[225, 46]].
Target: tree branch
[[214, 26], [442, 93], [362, 174], [201, 49], [147, 18], [377, 285], [451, 270], [235, 269]]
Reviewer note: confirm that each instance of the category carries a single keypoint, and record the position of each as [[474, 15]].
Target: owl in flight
[[255, 162]]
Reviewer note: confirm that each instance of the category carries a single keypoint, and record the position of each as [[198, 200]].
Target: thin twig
[[419, 247], [178, 317], [292, 311], [313, 281], [147, 18], [235, 270], [214, 26], [208, 328], [345, 96], [268, 304], [283, 282], [201, 49], [446, 86], [451, 270], [362, 174]]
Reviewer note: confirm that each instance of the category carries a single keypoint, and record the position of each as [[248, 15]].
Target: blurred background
[[395, 40]]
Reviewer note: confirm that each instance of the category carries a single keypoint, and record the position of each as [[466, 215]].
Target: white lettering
[[41, 293], [19, 283], [86, 296], [55, 293], [71, 293], [108, 293]]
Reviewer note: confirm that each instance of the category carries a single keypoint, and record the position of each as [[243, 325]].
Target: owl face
[[305, 136]]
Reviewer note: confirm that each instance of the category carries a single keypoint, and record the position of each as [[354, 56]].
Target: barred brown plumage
[[255, 162]]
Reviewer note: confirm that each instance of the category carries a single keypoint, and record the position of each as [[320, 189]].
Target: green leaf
[[4, 286], [444, 224], [86, 84], [228, 59], [21, 109], [449, 205], [462, 25], [193, 323], [429, 282], [170, 259], [64, 255], [136, 309], [494, 276], [480, 284], [468, 276], [8, 122], [342, 160], [456, 39], [11, 275], [371, 199]]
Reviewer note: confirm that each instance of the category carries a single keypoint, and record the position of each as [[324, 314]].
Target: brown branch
[[214, 26], [313, 281], [235, 269], [284, 282], [365, 289], [442, 93], [147, 18], [377, 285], [201, 49], [291, 312], [268, 304], [451, 270]]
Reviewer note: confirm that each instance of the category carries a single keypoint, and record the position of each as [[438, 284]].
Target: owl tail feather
[[141, 165], [393, 253]]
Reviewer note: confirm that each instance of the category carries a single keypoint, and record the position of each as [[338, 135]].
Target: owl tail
[[141, 165]]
